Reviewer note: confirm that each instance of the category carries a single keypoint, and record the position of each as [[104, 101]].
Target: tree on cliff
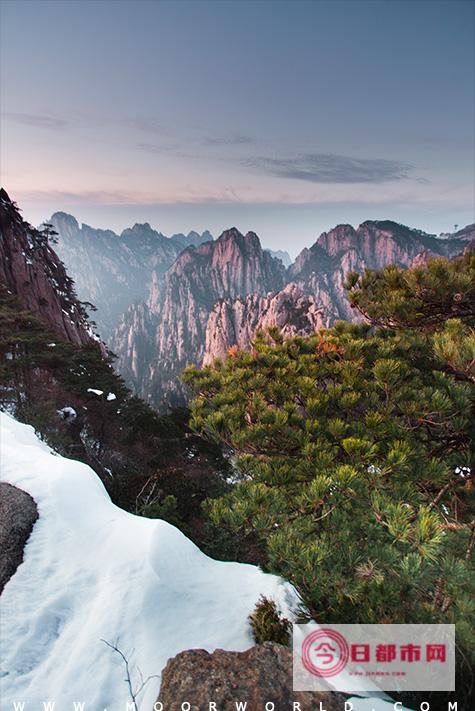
[[355, 451]]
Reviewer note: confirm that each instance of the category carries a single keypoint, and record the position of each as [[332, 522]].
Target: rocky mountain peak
[[232, 245], [31, 270], [232, 266], [115, 271], [141, 230], [235, 322], [167, 302], [192, 238], [67, 222], [466, 233], [336, 240]]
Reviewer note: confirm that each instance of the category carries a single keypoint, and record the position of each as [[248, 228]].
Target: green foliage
[[419, 297], [165, 509], [128, 444], [351, 445], [267, 625], [454, 346]]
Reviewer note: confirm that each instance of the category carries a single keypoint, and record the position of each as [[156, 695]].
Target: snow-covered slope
[[93, 572]]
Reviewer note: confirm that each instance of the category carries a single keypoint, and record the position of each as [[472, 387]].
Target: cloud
[[172, 148], [187, 194], [332, 168], [93, 197], [147, 124], [37, 120], [237, 140]]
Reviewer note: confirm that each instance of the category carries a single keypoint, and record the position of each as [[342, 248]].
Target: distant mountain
[[192, 238], [284, 257], [169, 332], [31, 271], [466, 233], [166, 302], [218, 295], [322, 269], [113, 271]]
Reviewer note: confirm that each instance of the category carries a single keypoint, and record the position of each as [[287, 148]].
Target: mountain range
[[113, 271], [166, 302]]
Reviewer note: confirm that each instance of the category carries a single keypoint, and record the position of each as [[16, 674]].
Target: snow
[[67, 413], [96, 392], [93, 572], [111, 396]]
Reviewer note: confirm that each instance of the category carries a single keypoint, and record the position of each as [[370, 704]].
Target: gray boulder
[[18, 513], [260, 675]]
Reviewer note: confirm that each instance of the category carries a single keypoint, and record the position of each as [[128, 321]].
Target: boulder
[[18, 514], [260, 675]]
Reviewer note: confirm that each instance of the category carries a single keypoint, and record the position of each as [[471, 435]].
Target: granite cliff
[[113, 271], [31, 271], [220, 294], [167, 302], [170, 331]]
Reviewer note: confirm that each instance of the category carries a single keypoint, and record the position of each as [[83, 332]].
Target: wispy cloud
[[331, 168], [171, 148], [93, 197], [236, 140], [188, 194], [147, 124], [37, 120]]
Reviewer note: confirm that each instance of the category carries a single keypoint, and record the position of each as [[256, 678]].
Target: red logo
[[325, 652]]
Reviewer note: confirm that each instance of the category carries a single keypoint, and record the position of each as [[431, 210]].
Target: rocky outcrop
[[18, 514], [161, 308], [466, 233], [114, 271], [282, 255], [233, 266], [261, 675], [322, 269], [133, 341], [235, 322], [219, 294], [31, 270], [421, 259]]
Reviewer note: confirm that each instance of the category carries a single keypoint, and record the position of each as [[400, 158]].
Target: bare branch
[[134, 693]]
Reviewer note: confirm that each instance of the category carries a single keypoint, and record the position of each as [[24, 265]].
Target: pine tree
[[355, 451]]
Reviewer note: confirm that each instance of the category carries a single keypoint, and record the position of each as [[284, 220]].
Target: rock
[[114, 271], [421, 259], [281, 254], [174, 333], [260, 675], [322, 269], [31, 270], [18, 514], [466, 233], [235, 322], [216, 294]]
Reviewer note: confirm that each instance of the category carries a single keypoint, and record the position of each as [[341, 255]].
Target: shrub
[[267, 625]]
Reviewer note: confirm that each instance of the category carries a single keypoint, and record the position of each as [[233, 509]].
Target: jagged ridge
[[113, 271], [31, 270]]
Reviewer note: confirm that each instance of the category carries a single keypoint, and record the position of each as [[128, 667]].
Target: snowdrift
[[93, 572]]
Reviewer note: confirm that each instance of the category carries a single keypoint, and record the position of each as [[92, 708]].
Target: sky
[[285, 118]]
